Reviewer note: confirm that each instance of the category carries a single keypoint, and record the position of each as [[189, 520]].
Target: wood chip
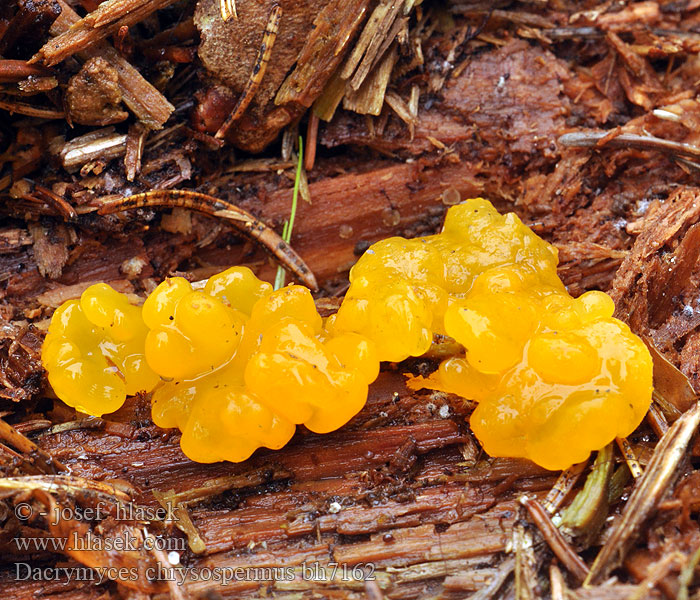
[[369, 98], [144, 100], [102, 144], [104, 21]]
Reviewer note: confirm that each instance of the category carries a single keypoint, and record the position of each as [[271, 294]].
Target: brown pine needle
[[258, 72], [209, 205]]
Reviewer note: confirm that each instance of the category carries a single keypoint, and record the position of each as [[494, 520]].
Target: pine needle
[[289, 225]]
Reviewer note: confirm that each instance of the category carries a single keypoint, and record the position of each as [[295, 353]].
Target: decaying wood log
[[317, 492], [582, 121]]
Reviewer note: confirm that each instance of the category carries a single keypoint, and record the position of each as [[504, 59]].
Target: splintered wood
[[105, 20], [405, 527], [333, 32], [145, 101]]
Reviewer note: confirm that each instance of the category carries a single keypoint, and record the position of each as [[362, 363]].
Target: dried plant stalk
[[35, 455], [565, 483], [69, 484], [650, 489]]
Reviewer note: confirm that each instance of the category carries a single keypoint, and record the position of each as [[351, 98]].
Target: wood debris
[[652, 487], [105, 20], [582, 121], [144, 100], [99, 144]]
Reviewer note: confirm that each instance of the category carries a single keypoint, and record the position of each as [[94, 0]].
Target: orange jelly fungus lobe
[[247, 364]]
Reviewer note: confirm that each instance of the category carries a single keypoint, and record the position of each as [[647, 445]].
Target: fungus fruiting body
[[283, 370], [554, 377], [94, 351], [236, 365]]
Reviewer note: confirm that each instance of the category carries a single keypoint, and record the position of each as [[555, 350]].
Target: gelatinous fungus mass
[[94, 351], [554, 377], [244, 365], [236, 366]]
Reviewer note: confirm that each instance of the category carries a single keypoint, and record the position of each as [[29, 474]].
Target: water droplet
[[451, 196], [391, 217], [345, 231]]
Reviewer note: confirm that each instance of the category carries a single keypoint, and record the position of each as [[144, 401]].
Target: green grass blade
[[289, 225]]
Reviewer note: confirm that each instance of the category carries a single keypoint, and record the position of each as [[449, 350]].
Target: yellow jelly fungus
[[241, 365], [554, 377], [400, 289], [191, 332], [549, 388], [94, 351], [285, 370]]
